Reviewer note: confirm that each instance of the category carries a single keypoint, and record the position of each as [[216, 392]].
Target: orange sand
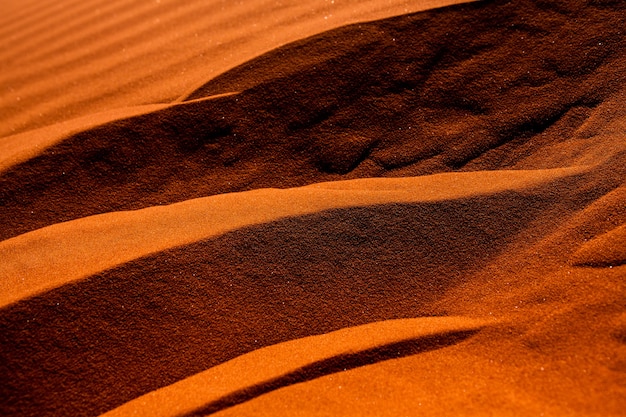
[[281, 207]]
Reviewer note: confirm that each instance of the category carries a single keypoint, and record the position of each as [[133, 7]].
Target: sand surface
[[339, 207]]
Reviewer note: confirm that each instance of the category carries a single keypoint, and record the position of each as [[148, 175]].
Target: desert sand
[[339, 207]]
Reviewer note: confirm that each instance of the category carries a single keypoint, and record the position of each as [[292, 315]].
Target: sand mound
[[297, 361], [221, 202], [458, 91], [68, 59]]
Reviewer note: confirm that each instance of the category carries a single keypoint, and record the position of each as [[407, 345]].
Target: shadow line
[[334, 365]]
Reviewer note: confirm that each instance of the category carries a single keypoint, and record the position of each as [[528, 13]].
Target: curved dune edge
[[24, 146], [608, 249], [263, 366], [328, 15], [50, 257], [133, 53], [403, 121]]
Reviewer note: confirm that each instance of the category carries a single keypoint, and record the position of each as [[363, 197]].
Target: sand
[[267, 369], [64, 60], [313, 208]]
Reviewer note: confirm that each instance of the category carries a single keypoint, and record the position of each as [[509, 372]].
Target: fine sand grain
[[297, 361], [338, 207], [65, 252]]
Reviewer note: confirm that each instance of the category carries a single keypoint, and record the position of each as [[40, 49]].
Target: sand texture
[[339, 207]]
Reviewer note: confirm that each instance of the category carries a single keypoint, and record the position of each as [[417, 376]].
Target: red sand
[[118, 308]]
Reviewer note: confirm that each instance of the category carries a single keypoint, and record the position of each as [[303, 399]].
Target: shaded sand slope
[[476, 86], [62, 253], [563, 352], [567, 362], [154, 321], [21, 147], [268, 369], [106, 308], [66, 59]]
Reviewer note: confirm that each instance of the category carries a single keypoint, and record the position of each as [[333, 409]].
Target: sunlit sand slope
[[65, 252], [297, 361], [423, 214], [480, 86], [66, 59]]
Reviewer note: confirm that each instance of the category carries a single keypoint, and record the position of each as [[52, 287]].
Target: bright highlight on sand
[[273, 367], [346, 207], [62, 253]]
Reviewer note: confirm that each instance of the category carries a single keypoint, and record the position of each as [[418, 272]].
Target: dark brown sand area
[[473, 87], [443, 230]]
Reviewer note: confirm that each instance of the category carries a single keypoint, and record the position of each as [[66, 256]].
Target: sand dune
[[280, 207], [52, 52], [162, 318], [59, 254], [273, 367], [414, 118]]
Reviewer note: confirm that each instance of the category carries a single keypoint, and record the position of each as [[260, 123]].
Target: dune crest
[[134, 53], [273, 367], [608, 250], [65, 252], [21, 147]]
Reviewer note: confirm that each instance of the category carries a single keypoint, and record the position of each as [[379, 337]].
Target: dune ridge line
[[55, 255], [608, 250], [158, 257], [191, 395], [23, 146], [47, 68]]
